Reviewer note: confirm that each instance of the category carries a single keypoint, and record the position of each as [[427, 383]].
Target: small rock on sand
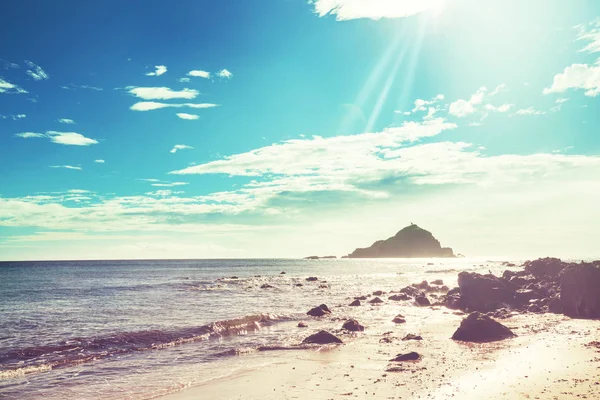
[[478, 327], [412, 356], [376, 300], [319, 311], [302, 325], [322, 337], [355, 303], [399, 319], [312, 279], [353, 325], [411, 336]]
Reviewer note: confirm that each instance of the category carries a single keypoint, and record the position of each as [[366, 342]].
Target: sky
[[288, 128]]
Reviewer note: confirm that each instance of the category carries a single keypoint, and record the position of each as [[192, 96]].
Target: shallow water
[[142, 329]]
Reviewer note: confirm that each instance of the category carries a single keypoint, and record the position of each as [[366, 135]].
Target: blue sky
[[291, 127]]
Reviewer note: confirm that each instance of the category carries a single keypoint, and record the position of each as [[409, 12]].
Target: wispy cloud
[[14, 117], [152, 105], [373, 9], [160, 69], [67, 167], [199, 74], [66, 121], [180, 147], [7, 87], [187, 116], [184, 80], [530, 111], [501, 109], [224, 73], [36, 72], [64, 138], [170, 184], [88, 87], [462, 108], [162, 93], [590, 33], [99, 161]]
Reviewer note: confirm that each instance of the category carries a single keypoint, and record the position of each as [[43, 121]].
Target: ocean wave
[[22, 361]]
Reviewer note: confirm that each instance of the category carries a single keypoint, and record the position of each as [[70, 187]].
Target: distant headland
[[410, 242]]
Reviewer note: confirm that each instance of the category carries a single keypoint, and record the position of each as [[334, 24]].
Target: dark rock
[[437, 282], [353, 325], [423, 285], [411, 291], [378, 293], [355, 303], [422, 301], [522, 280], [298, 284], [555, 305], [522, 296], [282, 273], [410, 336], [453, 300], [361, 298], [483, 292], [319, 311], [399, 319], [312, 279], [376, 300], [545, 268], [412, 356], [322, 337], [323, 286], [411, 241], [580, 291], [266, 286], [302, 325], [478, 327], [400, 297]]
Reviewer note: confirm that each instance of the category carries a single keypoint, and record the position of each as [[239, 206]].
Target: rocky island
[[410, 242]]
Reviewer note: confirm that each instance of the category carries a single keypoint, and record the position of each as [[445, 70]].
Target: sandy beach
[[550, 359]]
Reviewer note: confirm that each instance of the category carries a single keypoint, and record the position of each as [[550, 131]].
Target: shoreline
[[548, 359]]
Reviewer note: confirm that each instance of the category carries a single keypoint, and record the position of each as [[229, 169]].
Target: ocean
[[146, 328]]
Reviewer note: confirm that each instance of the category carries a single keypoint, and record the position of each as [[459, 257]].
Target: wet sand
[[548, 360]]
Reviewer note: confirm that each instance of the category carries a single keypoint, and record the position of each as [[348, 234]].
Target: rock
[[311, 258], [399, 319], [312, 279], [483, 292], [377, 293], [453, 300], [410, 336], [361, 298], [282, 273], [399, 297], [478, 327], [298, 284], [376, 300], [412, 356], [353, 325], [522, 296], [437, 282], [322, 286], [555, 305], [266, 286], [422, 301], [318, 311], [580, 291], [411, 291], [545, 268], [302, 325], [423, 285], [355, 303], [411, 241], [322, 337]]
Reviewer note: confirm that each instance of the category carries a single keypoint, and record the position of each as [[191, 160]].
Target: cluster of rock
[[544, 285]]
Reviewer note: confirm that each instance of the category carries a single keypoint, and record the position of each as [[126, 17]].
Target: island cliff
[[410, 242]]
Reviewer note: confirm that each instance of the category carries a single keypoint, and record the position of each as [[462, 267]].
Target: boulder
[[376, 300], [353, 325], [302, 325], [580, 291], [411, 336], [483, 292], [523, 296], [399, 297], [312, 279], [422, 301], [282, 273], [355, 303], [378, 293], [411, 291], [322, 337], [399, 319], [266, 286], [545, 268], [319, 311], [412, 356], [437, 282], [478, 327]]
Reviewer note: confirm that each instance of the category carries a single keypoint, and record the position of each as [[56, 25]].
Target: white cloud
[[590, 33], [462, 108], [160, 69], [224, 73], [14, 117], [180, 147], [66, 121], [152, 105], [7, 87], [561, 100], [99, 161], [71, 86], [169, 184], [499, 88], [163, 93], [78, 191], [65, 138], [184, 80], [373, 9], [501, 109], [67, 167], [187, 116], [199, 74], [577, 76], [36, 72], [530, 111]]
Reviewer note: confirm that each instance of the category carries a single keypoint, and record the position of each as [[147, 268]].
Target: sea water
[[146, 328]]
